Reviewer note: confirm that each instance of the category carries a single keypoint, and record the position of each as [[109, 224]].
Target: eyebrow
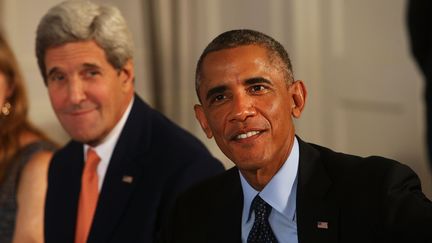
[[257, 80], [85, 65], [91, 65], [52, 70], [216, 90]]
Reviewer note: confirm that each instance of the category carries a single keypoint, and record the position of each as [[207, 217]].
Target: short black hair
[[244, 37]]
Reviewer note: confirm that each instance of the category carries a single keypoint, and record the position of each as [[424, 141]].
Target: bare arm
[[31, 199]]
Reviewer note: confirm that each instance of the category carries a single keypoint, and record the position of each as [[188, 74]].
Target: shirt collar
[[277, 192]]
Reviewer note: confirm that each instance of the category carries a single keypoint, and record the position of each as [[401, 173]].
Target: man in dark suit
[[283, 189], [117, 178], [419, 23]]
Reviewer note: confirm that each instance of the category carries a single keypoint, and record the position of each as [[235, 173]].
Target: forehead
[[74, 53], [237, 64]]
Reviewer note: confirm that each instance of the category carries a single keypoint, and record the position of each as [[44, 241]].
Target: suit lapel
[[122, 174], [317, 209]]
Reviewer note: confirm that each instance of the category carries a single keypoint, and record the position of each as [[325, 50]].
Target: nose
[[76, 91], [242, 108]]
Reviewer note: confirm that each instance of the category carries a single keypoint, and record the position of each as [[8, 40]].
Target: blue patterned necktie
[[261, 231]]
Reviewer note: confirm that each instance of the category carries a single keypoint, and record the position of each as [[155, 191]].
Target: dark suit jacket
[[362, 199], [163, 160]]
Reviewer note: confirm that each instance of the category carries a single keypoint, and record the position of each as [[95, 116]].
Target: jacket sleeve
[[407, 211]]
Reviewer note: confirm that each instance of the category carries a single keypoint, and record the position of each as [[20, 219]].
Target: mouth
[[79, 110], [78, 113], [246, 135]]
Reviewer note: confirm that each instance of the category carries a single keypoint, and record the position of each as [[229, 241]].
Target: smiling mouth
[[246, 135], [79, 112]]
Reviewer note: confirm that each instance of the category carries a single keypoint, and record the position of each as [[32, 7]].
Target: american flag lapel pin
[[127, 179], [322, 225]]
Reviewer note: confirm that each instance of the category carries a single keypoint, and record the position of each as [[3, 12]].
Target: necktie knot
[[92, 161], [261, 208]]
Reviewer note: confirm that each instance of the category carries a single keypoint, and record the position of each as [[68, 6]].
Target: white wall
[[365, 93]]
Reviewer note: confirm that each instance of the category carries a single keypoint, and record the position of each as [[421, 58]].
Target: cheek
[[279, 105], [54, 97], [277, 112], [111, 94], [217, 121], [57, 98]]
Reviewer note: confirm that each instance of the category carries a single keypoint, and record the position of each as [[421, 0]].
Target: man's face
[[247, 106], [88, 95]]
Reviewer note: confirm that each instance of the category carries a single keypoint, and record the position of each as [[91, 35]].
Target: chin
[[84, 137], [248, 164]]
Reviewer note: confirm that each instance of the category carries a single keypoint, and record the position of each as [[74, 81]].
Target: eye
[[56, 77], [258, 89], [92, 73], [218, 98]]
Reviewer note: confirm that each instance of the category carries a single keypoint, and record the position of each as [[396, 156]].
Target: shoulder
[[334, 160], [32, 143], [31, 195], [161, 132], [34, 175], [213, 189], [35, 152], [374, 175], [37, 165], [168, 142]]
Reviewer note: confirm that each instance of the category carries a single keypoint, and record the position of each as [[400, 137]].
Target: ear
[[127, 74], [200, 116], [298, 93]]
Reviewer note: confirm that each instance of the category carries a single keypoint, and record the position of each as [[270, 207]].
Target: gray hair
[[243, 37], [73, 21]]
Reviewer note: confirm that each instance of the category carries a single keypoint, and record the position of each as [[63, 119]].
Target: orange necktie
[[88, 197]]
